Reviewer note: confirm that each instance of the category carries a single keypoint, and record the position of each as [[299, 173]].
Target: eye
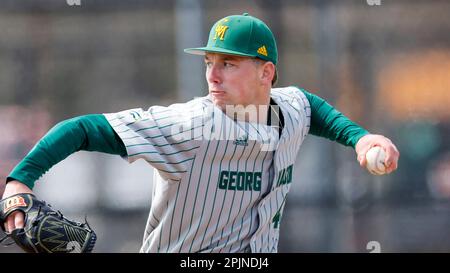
[[228, 64], [208, 64]]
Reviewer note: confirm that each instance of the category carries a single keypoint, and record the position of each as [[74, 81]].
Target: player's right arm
[[328, 122], [88, 133]]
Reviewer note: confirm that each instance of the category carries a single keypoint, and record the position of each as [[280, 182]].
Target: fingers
[[369, 141], [14, 221], [392, 156], [362, 159], [19, 220], [362, 155], [9, 225], [363, 146]]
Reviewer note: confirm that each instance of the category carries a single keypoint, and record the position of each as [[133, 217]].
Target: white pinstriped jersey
[[220, 184]]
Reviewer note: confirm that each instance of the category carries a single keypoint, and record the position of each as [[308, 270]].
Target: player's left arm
[[329, 123]]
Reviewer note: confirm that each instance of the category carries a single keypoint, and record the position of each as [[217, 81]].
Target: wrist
[[14, 187]]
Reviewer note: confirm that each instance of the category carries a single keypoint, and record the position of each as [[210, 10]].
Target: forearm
[[89, 133], [329, 123]]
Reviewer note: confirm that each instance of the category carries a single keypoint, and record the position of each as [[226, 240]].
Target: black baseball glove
[[45, 230]]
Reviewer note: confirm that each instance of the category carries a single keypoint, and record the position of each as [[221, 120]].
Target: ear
[[267, 73]]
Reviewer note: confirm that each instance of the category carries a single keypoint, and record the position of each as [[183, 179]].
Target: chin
[[220, 104]]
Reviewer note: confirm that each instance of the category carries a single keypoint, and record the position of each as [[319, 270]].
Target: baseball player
[[223, 162]]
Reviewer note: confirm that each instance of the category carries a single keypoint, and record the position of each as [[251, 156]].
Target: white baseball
[[375, 161]]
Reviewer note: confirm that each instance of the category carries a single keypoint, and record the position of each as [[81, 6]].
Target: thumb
[[362, 160], [362, 155]]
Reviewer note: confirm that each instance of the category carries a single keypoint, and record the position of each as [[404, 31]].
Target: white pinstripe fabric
[[189, 211]]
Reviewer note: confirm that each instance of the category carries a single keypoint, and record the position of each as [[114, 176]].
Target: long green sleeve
[[329, 123], [88, 133]]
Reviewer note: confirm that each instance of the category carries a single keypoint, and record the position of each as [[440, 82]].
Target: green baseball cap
[[241, 35]]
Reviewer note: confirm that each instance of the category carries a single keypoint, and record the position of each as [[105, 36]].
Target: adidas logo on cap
[[262, 50]]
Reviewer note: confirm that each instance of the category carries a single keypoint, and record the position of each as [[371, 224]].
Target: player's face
[[234, 80]]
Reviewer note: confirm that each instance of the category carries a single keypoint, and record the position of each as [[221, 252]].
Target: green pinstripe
[[155, 152], [232, 202], [225, 194], [251, 193], [173, 214], [215, 193], [242, 196]]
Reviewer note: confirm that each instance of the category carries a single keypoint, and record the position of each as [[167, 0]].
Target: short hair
[[275, 75]]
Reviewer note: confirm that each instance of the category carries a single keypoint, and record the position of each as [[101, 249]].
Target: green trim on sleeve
[[329, 123], [88, 133]]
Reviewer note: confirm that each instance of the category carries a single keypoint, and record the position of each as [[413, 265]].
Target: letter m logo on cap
[[220, 31]]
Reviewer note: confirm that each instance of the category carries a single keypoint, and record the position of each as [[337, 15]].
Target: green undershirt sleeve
[[329, 123], [88, 133]]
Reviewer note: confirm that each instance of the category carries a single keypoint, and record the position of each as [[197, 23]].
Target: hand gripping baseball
[[369, 141], [45, 230]]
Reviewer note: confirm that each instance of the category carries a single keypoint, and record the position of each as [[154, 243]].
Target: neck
[[256, 112]]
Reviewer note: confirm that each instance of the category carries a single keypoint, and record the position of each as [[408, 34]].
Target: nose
[[213, 74]]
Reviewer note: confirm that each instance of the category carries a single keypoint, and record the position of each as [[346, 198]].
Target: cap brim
[[203, 50]]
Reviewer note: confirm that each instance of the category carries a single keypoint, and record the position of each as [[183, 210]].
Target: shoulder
[[194, 107], [196, 104], [290, 94]]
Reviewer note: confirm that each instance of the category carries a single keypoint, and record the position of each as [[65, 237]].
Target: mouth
[[216, 93]]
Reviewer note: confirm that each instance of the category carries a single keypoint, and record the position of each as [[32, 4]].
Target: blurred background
[[385, 64]]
